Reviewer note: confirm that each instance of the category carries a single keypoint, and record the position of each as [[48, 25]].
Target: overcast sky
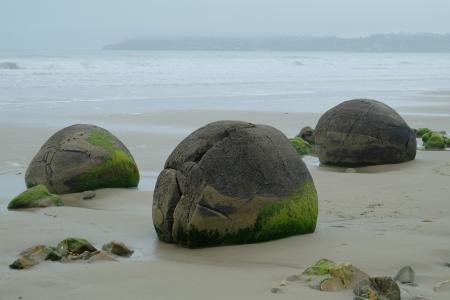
[[28, 24]]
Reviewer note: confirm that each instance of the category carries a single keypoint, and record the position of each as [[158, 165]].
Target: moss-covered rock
[[82, 157], [74, 246], [232, 183], [320, 268], [426, 136], [301, 146], [421, 131], [348, 274], [34, 255], [435, 141], [37, 196]]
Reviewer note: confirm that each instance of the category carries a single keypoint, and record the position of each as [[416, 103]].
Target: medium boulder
[[233, 182], [82, 157], [363, 132]]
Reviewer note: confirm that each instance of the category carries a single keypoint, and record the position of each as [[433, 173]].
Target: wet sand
[[379, 218]]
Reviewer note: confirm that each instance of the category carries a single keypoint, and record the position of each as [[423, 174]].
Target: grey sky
[[93, 23]]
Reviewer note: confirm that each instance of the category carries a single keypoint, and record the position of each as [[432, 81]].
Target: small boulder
[[378, 288], [117, 248], [86, 195], [405, 275], [82, 157], [37, 196], [74, 246], [301, 146], [307, 134], [34, 255]]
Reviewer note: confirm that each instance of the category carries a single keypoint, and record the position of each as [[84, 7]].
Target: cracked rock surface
[[82, 157], [233, 182], [363, 132]]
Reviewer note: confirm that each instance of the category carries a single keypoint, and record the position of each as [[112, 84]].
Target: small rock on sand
[[405, 275], [118, 248], [86, 195], [276, 290]]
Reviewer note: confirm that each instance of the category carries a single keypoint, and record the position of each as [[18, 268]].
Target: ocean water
[[43, 85]]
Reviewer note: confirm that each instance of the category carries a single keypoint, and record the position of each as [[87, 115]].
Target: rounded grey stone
[[363, 132]]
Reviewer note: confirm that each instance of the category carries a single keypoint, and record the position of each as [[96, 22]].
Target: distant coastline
[[373, 43]]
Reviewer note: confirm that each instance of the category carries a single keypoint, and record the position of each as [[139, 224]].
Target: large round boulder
[[363, 132], [233, 182], [82, 157]]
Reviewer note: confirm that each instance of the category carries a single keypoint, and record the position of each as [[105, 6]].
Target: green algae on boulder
[[82, 157], [233, 182], [74, 246], [363, 132], [301, 146], [37, 196]]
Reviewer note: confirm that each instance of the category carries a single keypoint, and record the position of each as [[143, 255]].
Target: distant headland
[[373, 43]]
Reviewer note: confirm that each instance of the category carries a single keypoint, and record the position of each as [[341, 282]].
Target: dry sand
[[379, 218]]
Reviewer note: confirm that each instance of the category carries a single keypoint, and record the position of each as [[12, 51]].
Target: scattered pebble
[[443, 285], [88, 195], [283, 283], [276, 290], [350, 170]]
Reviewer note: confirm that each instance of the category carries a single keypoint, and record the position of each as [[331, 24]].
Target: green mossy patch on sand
[[119, 170], [74, 246], [36, 196], [292, 215], [435, 141], [301, 146]]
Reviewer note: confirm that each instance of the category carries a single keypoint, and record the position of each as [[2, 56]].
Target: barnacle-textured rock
[[363, 132], [82, 157], [233, 182]]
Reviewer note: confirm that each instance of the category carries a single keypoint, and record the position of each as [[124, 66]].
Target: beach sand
[[380, 219]]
